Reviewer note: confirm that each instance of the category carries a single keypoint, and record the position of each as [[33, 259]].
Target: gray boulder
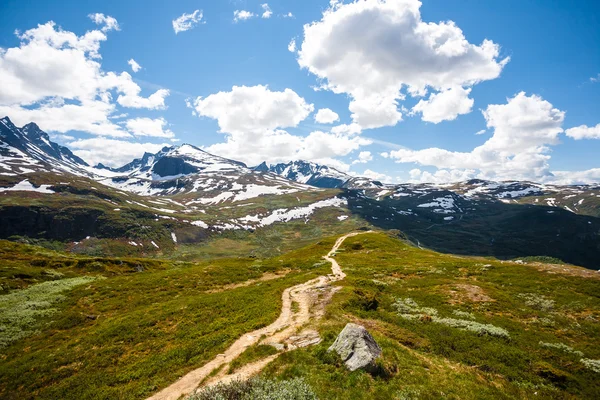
[[356, 347]]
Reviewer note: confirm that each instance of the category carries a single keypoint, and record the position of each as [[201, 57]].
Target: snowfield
[[26, 186]]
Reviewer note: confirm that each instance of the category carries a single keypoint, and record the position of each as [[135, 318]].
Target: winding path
[[311, 297]]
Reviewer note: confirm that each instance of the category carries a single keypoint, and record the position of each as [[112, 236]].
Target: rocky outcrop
[[356, 347]]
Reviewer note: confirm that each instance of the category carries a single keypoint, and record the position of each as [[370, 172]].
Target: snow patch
[[26, 186]]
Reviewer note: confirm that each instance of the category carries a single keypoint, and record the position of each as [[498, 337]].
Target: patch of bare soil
[[566, 270], [464, 292]]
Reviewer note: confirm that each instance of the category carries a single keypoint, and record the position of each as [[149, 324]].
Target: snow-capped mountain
[[204, 177], [29, 149], [307, 172]]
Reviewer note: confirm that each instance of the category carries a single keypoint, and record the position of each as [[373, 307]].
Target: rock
[[356, 346]]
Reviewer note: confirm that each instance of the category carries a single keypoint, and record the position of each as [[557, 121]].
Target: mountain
[[183, 194], [308, 173], [29, 149], [203, 177]]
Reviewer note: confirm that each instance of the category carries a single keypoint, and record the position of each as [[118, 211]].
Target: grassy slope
[[133, 333], [427, 360], [151, 327]]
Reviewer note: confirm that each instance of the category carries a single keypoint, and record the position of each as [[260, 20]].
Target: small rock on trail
[[356, 346]]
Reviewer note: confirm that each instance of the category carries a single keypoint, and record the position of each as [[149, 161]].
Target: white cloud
[[481, 132], [187, 21], [55, 78], [242, 15], [155, 101], [445, 105], [584, 132], [292, 46], [326, 116], [347, 129], [109, 22], [266, 10], [110, 152], [586, 177], [280, 146], [385, 154], [441, 175], [288, 15], [376, 176], [149, 127], [135, 67], [374, 66], [253, 108], [55, 116], [253, 119], [523, 128], [595, 79], [363, 157]]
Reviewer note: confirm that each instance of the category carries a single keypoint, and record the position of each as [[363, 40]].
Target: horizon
[[279, 85]]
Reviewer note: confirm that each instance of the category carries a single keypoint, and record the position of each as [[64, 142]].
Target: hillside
[[110, 333]]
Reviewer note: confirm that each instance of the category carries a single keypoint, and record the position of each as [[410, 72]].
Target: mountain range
[[49, 193]]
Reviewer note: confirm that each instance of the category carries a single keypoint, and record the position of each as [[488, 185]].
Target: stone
[[356, 347]]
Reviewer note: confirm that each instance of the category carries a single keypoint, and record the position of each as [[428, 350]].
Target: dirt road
[[311, 298]]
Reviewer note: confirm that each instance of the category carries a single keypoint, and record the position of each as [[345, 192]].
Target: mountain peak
[[307, 172]]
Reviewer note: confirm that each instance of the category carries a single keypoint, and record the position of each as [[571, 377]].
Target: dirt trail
[[311, 298]]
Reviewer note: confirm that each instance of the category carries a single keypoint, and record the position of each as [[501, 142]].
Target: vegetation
[[258, 389], [138, 330], [455, 343], [251, 354], [449, 326]]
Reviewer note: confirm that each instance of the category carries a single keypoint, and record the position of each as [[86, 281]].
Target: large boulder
[[356, 347]]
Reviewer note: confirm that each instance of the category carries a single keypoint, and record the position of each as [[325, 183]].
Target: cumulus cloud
[[111, 152], [481, 132], [576, 177], [584, 132], [445, 105], [187, 21], [376, 176], [253, 120], [347, 129], [266, 10], [54, 77], [135, 67], [149, 127], [292, 46], [326, 116], [242, 15], [288, 15], [523, 129], [404, 55], [441, 175], [56, 116], [109, 22], [253, 109], [363, 157]]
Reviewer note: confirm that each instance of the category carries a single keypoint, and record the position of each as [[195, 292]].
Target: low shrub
[[258, 389]]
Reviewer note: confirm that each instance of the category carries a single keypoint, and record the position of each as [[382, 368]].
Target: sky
[[396, 90]]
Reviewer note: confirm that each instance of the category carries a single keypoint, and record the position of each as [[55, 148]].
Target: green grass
[[152, 320], [251, 354], [21, 311], [448, 346], [146, 328]]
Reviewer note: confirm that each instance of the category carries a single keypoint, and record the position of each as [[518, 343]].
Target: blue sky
[[552, 46]]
